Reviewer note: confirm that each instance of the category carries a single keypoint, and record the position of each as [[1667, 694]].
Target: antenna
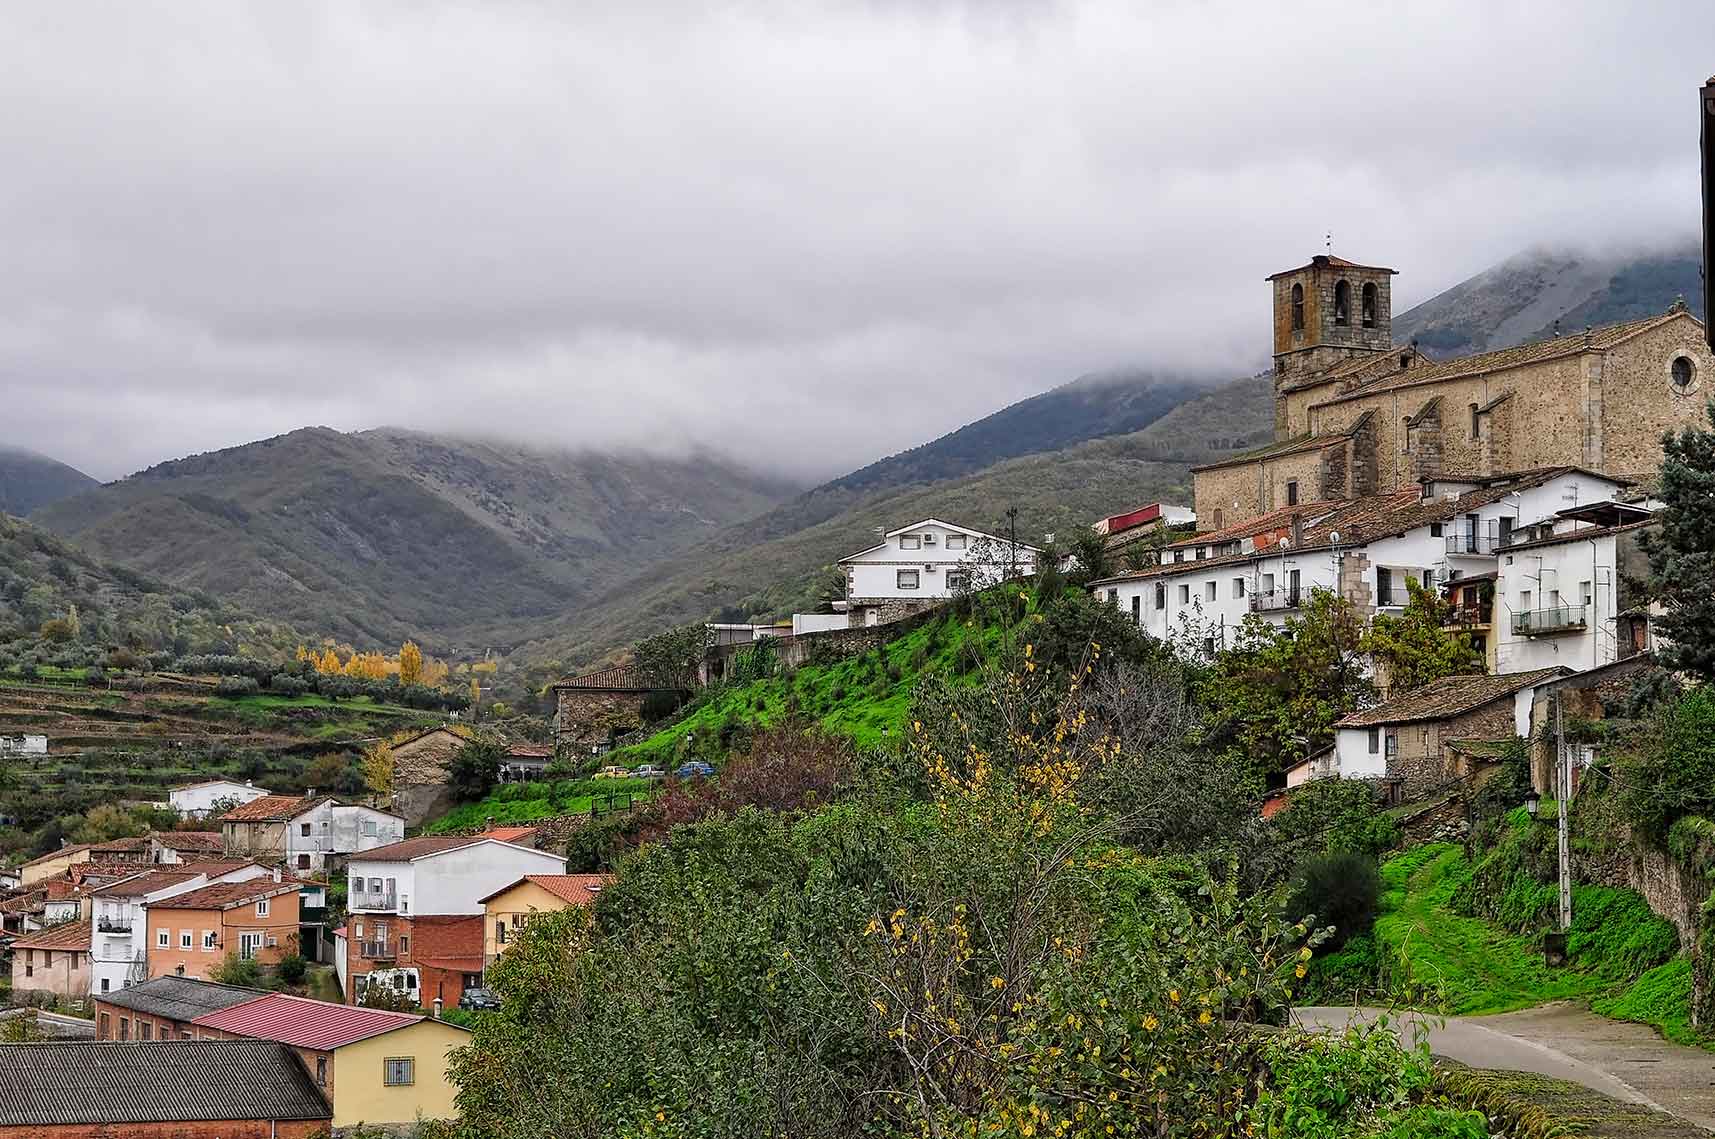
[[1328, 242]]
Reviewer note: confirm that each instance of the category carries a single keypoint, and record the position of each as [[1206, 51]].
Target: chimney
[[250, 782], [488, 823], [1297, 530], [276, 873], [310, 794], [439, 1004]]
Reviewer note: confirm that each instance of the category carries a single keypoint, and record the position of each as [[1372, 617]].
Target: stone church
[[1356, 414]]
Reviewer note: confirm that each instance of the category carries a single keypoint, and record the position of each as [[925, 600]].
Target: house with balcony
[[922, 565], [414, 911], [1369, 551], [1568, 591], [119, 944]]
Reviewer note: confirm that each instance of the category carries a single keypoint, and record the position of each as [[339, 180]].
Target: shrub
[[1671, 773], [236, 970], [235, 686], [292, 969], [1342, 889], [287, 685]]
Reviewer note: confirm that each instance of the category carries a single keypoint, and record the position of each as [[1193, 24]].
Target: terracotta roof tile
[[578, 889], [269, 808], [417, 847], [71, 935], [225, 895], [621, 678], [1449, 696]]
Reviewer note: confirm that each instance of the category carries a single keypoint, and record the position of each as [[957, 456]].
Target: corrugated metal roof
[[178, 998], [304, 1023], [70, 1082]]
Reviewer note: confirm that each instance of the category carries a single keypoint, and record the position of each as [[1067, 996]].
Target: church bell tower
[[1328, 311]]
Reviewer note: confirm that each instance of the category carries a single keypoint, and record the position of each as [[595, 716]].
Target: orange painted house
[[191, 933]]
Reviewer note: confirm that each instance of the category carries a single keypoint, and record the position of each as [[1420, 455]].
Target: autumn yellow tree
[[378, 768], [303, 654], [475, 696], [329, 664], [410, 663]]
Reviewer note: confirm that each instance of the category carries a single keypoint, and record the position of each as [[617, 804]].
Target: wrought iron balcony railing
[[1543, 622]]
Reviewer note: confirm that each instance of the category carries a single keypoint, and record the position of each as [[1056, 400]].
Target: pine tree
[[410, 663], [1682, 553]]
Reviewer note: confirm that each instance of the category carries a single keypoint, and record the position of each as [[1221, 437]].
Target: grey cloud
[[669, 225]]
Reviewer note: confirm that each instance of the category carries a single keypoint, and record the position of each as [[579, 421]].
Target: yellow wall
[[361, 1096], [51, 868], [521, 898]]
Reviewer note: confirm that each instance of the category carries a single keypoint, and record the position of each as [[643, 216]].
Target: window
[[48, 958], [1392, 743], [1405, 434], [1342, 304], [1184, 595], [106, 1029], [1435, 529], [1268, 583], [399, 1071], [500, 932], [163, 938], [1114, 598], [1370, 305], [1208, 646], [1178, 555], [1202, 552], [1292, 492], [304, 829], [303, 862], [104, 985], [1524, 600], [1137, 608], [1298, 308], [1476, 424], [1384, 586], [404, 944], [910, 542], [1683, 374], [958, 579], [124, 1028], [1218, 517], [1584, 593], [1375, 740], [367, 828], [1238, 587], [1429, 579], [1161, 595], [262, 908], [210, 942], [146, 1029], [906, 579], [955, 541], [321, 1071], [1209, 591]]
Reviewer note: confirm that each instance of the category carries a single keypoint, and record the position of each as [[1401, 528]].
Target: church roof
[[1298, 444], [1536, 352], [1329, 261]]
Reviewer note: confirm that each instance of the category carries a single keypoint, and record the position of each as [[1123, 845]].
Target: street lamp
[[1532, 803]]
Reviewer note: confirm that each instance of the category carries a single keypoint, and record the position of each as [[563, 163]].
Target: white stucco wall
[[875, 573], [194, 802], [338, 829], [454, 881], [1544, 577]]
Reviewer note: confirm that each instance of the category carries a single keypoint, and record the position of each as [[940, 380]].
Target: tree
[[1415, 648], [475, 770], [106, 822], [1274, 696], [410, 663], [671, 659], [1094, 559], [1682, 554], [292, 969], [330, 771], [378, 768], [244, 972]]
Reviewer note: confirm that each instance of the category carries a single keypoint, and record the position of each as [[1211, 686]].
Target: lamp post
[[1532, 803]]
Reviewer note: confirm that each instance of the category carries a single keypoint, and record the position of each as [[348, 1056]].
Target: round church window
[[1683, 372]]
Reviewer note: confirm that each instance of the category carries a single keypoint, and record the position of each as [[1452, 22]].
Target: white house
[[195, 800], [920, 565], [118, 927], [1569, 594], [24, 745], [440, 874], [1365, 550], [329, 828]]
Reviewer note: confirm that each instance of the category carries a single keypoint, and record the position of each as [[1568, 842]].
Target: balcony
[[378, 950], [1475, 545], [111, 924], [1275, 600], [1470, 616], [386, 901], [312, 915], [1548, 622]]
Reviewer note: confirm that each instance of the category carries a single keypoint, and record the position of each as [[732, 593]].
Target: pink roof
[[305, 1023]]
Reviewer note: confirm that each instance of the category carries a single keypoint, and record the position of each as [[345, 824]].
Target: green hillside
[[29, 480]]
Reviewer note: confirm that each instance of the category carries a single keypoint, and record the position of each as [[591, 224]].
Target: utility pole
[[1563, 773]]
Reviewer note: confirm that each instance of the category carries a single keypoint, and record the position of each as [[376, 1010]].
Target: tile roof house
[[511, 907], [215, 1087], [1409, 740], [376, 1067], [188, 934], [305, 832], [54, 960]]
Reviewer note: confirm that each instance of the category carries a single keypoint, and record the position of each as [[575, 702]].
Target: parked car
[[614, 772], [479, 998], [649, 771], [693, 769]]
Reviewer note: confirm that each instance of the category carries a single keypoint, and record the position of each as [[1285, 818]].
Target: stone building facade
[[420, 790], [1356, 414], [591, 710]]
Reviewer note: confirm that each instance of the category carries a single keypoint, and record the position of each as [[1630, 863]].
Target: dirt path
[[1628, 1062]]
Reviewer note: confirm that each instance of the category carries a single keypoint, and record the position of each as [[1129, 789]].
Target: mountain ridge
[[29, 480]]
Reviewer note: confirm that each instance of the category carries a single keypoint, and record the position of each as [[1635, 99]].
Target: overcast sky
[[811, 233]]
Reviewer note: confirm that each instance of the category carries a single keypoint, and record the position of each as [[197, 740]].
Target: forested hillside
[[29, 480]]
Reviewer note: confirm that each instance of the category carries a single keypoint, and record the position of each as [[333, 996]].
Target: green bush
[[1342, 890], [292, 969], [1671, 773]]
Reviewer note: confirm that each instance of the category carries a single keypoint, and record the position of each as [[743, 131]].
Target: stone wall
[[590, 717], [1638, 401], [1245, 490], [1424, 762]]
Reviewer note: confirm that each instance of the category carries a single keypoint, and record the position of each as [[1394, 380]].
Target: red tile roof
[[189, 840], [509, 834], [1449, 696], [305, 1023], [622, 678], [1328, 261], [72, 935], [578, 889], [269, 808], [530, 751], [145, 883], [60, 853], [225, 895]]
